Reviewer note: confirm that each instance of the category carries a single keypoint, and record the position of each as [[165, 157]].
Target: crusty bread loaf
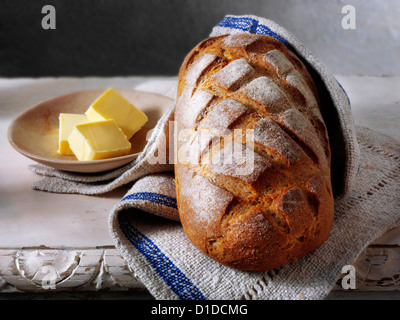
[[231, 88]]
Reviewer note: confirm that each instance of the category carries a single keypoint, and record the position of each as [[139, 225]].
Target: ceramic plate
[[34, 133]]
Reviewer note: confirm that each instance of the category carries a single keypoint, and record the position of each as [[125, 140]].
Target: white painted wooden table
[[69, 232]]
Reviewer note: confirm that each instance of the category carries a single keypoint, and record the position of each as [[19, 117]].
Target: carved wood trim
[[103, 268], [44, 269]]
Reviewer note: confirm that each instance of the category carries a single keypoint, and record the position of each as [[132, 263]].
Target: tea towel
[[145, 227]]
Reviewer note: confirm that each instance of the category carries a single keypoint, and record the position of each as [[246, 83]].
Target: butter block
[[112, 105], [98, 140], [66, 123]]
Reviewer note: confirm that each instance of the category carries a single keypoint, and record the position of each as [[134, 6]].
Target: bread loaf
[[233, 87]]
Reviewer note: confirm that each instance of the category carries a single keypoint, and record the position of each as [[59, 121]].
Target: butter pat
[[112, 105], [66, 123], [98, 140]]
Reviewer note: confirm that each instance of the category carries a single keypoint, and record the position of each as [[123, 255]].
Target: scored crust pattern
[[283, 207]]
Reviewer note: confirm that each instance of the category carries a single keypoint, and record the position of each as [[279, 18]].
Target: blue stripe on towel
[[241, 23], [153, 197], [250, 25], [344, 91], [165, 268]]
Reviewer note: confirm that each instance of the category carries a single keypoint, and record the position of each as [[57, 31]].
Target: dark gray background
[[151, 37]]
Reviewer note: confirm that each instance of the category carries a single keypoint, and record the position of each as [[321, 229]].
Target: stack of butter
[[103, 131]]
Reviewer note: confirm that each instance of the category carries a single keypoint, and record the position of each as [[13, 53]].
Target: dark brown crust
[[281, 210]]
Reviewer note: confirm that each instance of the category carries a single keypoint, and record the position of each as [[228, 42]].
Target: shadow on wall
[[131, 37]]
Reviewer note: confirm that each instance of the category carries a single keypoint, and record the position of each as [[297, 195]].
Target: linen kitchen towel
[[145, 227]]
